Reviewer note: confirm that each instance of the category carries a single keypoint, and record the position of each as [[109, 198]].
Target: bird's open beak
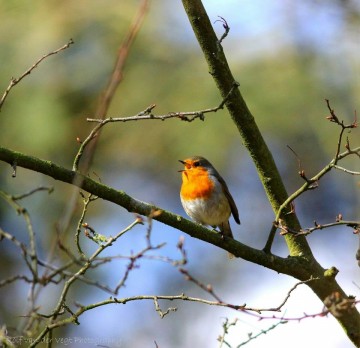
[[182, 170]]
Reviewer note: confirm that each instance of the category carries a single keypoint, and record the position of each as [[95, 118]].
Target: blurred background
[[288, 57]]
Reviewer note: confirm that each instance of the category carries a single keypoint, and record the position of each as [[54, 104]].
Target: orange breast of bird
[[196, 184]]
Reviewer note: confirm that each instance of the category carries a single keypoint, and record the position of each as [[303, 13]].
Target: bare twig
[[30, 252], [24, 249], [147, 114], [132, 265], [262, 332], [303, 232], [12, 279], [227, 325], [352, 172], [278, 308], [160, 311], [208, 288], [86, 202], [63, 274], [27, 194], [335, 119], [15, 81], [312, 185]]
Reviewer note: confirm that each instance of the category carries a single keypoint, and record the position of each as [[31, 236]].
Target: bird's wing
[[233, 206]]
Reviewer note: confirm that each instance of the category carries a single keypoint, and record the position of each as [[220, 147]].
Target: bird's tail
[[225, 230]]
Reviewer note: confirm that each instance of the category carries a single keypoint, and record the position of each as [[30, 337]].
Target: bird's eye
[[196, 164]]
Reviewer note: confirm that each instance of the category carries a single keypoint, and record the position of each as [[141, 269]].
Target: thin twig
[[27, 252], [352, 172], [14, 278], [86, 202], [20, 245], [208, 288], [262, 332], [306, 231], [27, 194], [160, 311], [15, 81], [147, 114], [278, 308]]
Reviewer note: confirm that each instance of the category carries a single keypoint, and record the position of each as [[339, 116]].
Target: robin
[[205, 195]]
